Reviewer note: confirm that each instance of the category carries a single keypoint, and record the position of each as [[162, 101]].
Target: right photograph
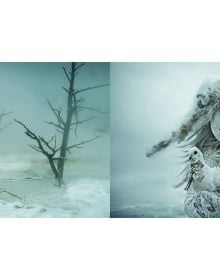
[[165, 140]]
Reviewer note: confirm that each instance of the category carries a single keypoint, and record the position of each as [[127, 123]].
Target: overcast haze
[[25, 88], [25, 175]]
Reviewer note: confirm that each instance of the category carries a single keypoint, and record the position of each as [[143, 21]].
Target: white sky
[[150, 99]]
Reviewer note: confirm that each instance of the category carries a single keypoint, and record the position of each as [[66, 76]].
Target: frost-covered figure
[[200, 137]]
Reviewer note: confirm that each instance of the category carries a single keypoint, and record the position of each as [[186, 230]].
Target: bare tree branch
[[40, 148], [5, 126], [55, 124], [36, 148], [12, 194], [78, 145], [66, 90], [79, 66], [57, 113], [67, 76], [28, 131], [40, 141], [80, 100], [89, 88], [55, 142], [76, 113], [93, 109], [60, 131], [80, 122], [3, 114], [47, 144]]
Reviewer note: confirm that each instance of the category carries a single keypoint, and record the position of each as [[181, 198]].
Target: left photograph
[[54, 135]]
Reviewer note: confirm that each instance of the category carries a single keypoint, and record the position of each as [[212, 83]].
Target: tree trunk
[[49, 147], [67, 127], [53, 167]]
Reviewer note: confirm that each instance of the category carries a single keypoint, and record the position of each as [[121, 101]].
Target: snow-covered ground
[[85, 194]]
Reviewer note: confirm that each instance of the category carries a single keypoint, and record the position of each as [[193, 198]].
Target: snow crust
[[85, 194]]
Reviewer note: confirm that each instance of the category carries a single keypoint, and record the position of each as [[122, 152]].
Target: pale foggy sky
[[25, 87], [149, 100]]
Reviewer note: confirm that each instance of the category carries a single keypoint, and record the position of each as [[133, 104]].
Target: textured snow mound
[[81, 198]]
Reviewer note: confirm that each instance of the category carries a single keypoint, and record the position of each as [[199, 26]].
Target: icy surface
[[84, 198], [85, 193]]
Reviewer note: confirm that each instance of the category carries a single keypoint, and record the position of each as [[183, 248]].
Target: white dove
[[206, 177]]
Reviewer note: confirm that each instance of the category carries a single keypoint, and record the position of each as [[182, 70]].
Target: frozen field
[[85, 194]]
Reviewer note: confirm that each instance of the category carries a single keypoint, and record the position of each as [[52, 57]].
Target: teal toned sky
[[25, 87]]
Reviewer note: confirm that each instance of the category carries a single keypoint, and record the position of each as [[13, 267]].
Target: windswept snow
[[86, 193], [85, 198]]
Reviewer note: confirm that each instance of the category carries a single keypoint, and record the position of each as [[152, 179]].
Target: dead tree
[[56, 154]]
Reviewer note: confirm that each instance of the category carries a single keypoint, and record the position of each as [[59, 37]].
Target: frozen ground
[[145, 187], [86, 193]]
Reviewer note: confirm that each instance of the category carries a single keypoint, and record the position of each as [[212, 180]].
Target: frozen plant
[[63, 124]]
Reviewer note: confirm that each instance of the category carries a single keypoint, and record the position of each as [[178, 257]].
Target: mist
[[24, 91], [148, 101]]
